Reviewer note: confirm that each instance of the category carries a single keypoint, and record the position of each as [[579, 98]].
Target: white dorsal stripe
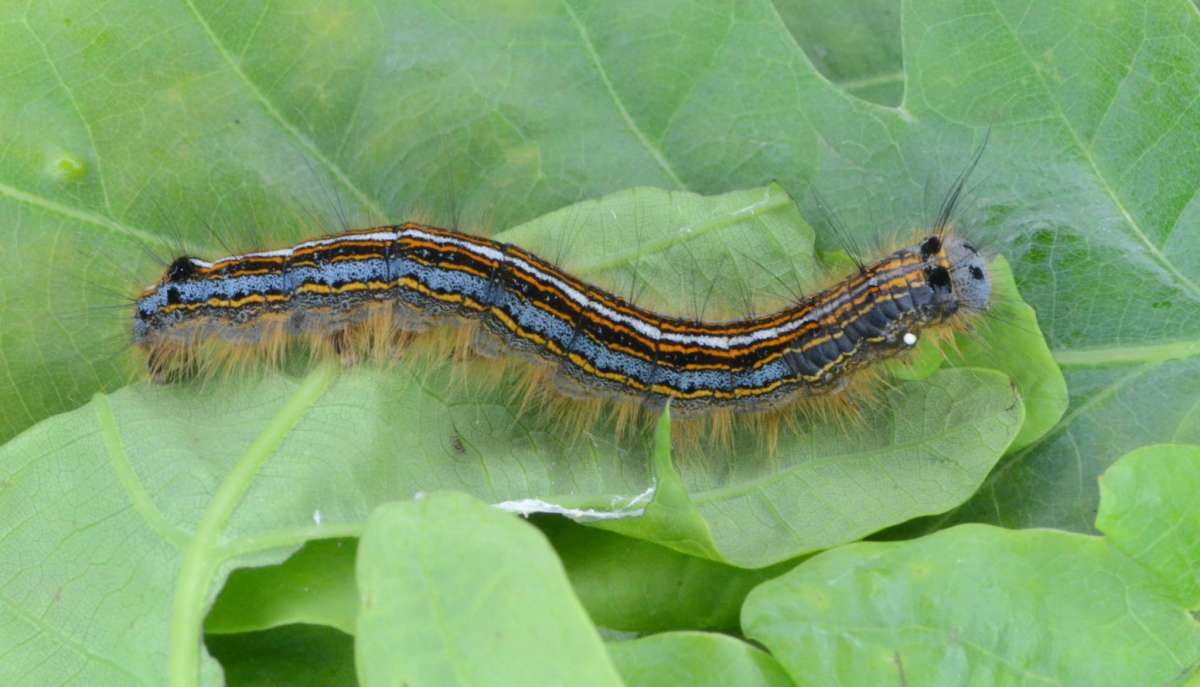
[[644, 328], [285, 252]]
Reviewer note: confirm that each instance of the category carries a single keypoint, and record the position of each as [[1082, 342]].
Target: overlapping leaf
[[453, 591], [982, 605]]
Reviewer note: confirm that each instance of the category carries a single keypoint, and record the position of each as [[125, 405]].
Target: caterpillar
[[377, 287]]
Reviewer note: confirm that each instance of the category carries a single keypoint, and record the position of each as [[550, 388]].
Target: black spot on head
[[930, 246], [976, 273], [180, 269], [173, 296], [939, 277]]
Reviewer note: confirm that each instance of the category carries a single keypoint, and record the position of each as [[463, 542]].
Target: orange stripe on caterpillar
[[602, 343]]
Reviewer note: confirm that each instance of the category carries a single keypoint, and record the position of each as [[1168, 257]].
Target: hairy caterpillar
[[375, 287], [375, 292]]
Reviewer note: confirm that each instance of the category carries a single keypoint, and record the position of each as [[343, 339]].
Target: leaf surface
[[1147, 510], [981, 605], [136, 130], [453, 591]]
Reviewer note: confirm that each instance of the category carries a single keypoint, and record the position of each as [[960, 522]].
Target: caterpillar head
[[969, 276], [166, 291], [958, 273]]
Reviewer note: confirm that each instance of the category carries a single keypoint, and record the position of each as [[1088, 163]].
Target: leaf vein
[[1183, 281], [305, 142], [590, 48]]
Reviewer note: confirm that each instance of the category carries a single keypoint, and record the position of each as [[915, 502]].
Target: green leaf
[[634, 586], [122, 536], [315, 585], [507, 114], [1010, 341], [973, 604], [977, 604], [293, 655], [453, 591], [829, 486], [132, 129], [1148, 510], [924, 445], [1114, 409], [695, 658]]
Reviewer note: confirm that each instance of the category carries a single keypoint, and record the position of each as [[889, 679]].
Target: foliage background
[[125, 128]]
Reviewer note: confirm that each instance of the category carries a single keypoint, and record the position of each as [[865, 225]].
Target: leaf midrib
[[659, 157], [275, 114], [1157, 255], [1127, 355], [202, 555]]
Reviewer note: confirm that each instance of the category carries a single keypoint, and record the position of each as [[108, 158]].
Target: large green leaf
[[982, 605], [130, 128], [138, 128], [455, 592], [1101, 225], [923, 446]]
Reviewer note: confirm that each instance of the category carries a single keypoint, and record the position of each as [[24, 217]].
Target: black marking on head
[[173, 296], [976, 272], [180, 269], [938, 277], [930, 246], [969, 247]]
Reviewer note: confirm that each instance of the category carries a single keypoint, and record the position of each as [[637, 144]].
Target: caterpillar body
[[377, 287]]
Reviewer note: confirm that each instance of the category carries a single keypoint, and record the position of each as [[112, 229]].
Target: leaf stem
[[200, 560], [1125, 355]]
